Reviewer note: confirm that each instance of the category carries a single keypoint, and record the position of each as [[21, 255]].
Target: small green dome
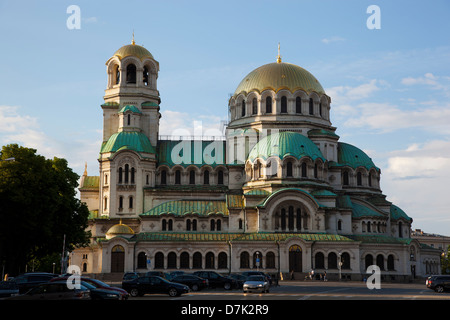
[[133, 140], [354, 157], [284, 144]]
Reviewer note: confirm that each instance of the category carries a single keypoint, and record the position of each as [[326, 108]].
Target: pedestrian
[[312, 274], [292, 275], [325, 276]]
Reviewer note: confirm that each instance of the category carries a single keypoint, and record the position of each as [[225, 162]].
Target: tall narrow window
[[206, 177], [117, 75], [320, 108], [243, 108], [345, 178], [219, 225], [289, 169], [298, 105], [291, 217], [255, 106], [132, 175], [359, 179], [269, 105], [311, 106], [304, 170], [120, 202], [220, 177], [130, 205], [315, 170], [178, 177], [299, 219], [131, 73], [194, 225], [283, 104], [127, 169], [283, 219], [163, 177], [128, 119], [192, 177], [120, 174], [213, 225], [188, 225]]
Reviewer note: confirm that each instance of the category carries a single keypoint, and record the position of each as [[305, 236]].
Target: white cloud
[[435, 82], [332, 39]]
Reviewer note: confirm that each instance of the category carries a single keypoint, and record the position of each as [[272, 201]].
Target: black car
[[153, 284], [57, 290], [194, 282], [28, 281], [8, 289], [130, 276], [240, 279], [216, 280], [438, 283]]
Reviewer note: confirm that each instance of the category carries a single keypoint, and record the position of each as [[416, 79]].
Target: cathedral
[[279, 192]]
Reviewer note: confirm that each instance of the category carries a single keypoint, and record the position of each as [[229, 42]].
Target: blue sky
[[390, 87]]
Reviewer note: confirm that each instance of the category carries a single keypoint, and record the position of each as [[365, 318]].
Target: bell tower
[[130, 131]]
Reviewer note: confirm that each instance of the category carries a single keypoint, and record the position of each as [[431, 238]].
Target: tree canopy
[[38, 206]]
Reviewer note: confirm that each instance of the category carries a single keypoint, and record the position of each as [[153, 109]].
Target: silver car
[[256, 284]]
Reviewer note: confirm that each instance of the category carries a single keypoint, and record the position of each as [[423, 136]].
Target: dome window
[[254, 106], [145, 77], [283, 104], [298, 105], [311, 106], [269, 105], [243, 108]]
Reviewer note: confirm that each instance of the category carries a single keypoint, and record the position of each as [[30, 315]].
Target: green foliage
[[38, 206], [445, 262]]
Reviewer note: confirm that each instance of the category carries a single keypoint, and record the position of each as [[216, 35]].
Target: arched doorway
[[295, 258], [117, 259]]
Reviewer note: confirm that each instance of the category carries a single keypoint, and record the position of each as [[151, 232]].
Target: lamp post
[[340, 266]]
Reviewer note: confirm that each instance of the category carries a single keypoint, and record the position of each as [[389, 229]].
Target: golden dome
[[278, 76], [119, 230], [133, 50]]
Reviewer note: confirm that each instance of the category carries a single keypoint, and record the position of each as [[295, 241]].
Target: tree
[[38, 206]]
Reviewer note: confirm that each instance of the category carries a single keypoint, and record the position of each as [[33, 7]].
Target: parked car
[[130, 275], [438, 283], [28, 281], [153, 284], [8, 289], [57, 290], [158, 274], [240, 279], [256, 283], [258, 273], [216, 280], [194, 282], [114, 291], [98, 293]]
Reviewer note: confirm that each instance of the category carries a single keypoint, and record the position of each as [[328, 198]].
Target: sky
[[389, 86]]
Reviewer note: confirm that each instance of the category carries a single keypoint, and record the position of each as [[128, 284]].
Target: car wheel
[[439, 289], [134, 292], [194, 287], [173, 292]]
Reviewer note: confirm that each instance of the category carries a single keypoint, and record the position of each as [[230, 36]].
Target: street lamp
[[257, 260], [340, 266]]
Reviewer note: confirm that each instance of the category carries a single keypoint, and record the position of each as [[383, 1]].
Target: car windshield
[[256, 278], [98, 283]]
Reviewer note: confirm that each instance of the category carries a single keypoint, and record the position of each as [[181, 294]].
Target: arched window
[[345, 178], [289, 173], [243, 108], [345, 259], [339, 226], [368, 260], [213, 225], [390, 263], [283, 104], [222, 260], [163, 177], [270, 260], [241, 224], [298, 105], [206, 177], [117, 71], [197, 260], [304, 170], [170, 225], [291, 218], [220, 177], [283, 219], [164, 225], [194, 225], [299, 219], [400, 229], [133, 171], [254, 106], [319, 260], [332, 261], [188, 225], [184, 260], [359, 178], [120, 174], [380, 261], [128, 119], [311, 106], [219, 225], [320, 108], [192, 177], [145, 77], [370, 179], [177, 177], [131, 73], [245, 260], [209, 260], [159, 260], [269, 105], [127, 172], [172, 260], [315, 170], [142, 260]]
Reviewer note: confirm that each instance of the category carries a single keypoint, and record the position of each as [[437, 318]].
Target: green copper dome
[[136, 141], [354, 157], [284, 144], [278, 76]]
